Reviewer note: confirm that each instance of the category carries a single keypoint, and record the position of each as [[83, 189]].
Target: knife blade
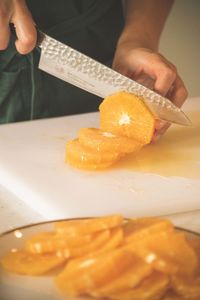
[[88, 74]]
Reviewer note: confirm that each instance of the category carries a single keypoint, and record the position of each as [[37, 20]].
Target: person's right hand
[[16, 12]]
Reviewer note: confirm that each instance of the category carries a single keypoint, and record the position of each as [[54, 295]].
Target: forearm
[[144, 22]]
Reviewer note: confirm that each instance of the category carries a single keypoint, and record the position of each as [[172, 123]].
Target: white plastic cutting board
[[32, 167]]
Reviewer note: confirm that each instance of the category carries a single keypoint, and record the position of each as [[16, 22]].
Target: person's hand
[[16, 12], [154, 71]]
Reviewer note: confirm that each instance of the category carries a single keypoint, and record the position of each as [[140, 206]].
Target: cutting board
[[163, 179]]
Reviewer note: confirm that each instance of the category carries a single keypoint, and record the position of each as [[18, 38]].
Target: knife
[[88, 74]]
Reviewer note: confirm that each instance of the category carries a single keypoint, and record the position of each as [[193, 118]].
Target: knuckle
[[169, 73], [181, 96], [184, 93], [29, 40]]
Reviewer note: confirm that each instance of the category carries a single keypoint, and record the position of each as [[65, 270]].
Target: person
[[122, 34]]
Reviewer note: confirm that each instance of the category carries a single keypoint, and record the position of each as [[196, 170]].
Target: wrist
[[134, 38]]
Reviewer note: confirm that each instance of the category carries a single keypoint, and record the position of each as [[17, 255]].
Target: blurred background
[[180, 42]]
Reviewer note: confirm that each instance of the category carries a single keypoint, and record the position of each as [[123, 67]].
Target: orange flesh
[[22, 262], [85, 158], [152, 287], [92, 273], [127, 115], [114, 258], [76, 228], [99, 140], [126, 125]]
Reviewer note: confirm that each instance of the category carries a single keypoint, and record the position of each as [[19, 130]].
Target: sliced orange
[[130, 278], [195, 244], [22, 262], [81, 276], [175, 248], [188, 288], [103, 141], [103, 241], [47, 242], [86, 226], [150, 257], [99, 240], [140, 228], [168, 252], [151, 288], [116, 239], [127, 115], [84, 158]]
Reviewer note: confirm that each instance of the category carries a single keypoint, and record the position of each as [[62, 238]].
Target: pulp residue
[[176, 154]]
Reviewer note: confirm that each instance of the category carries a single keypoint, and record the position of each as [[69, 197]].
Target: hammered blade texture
[[64, 55]]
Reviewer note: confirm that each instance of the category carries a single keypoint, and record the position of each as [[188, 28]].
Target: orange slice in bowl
[[141, 228], [80, 276], [116, 239], [99, 239], [151, 288], [174, 248], [159, 244], [188, 288], [195, 244], [103, 241], [22, 262], [129, 279], [84, 158], [166, 251], [80, 227], [99, 140], [49, 242], [127, 115]]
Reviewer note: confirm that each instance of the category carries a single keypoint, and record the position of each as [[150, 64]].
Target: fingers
[[26, 34], [165, 77], [179, 93], [16, 12], [148, 67], [144, 80], [5, 34], [168, 84], [4, 26], [25, 29]]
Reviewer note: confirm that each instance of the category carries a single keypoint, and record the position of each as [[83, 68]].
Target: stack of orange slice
[[126, 125]]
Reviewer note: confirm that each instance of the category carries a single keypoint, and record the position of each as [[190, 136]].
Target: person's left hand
[[154, 71]]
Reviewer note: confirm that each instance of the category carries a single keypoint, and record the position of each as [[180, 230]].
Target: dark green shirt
[[90, 26]]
